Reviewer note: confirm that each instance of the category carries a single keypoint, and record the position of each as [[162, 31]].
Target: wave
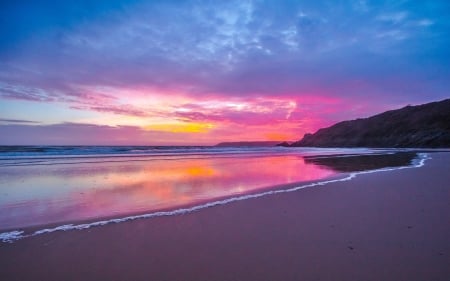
[[21, 156], [55, 151], [11, 236]]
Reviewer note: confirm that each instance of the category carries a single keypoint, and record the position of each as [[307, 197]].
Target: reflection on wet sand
[[35, 195], [56, 193]]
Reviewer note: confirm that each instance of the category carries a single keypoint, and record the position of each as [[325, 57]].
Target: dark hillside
[[426, 125]]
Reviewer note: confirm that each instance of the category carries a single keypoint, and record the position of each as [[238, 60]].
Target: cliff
[[426, 125]]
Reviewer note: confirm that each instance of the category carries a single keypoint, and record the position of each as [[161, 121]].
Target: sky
[[201, 72]]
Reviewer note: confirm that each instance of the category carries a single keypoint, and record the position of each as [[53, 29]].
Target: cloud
[[394, 18], [172, 60], [257, 111], [224, 48], [162, 134], [3, 120], [120, 109], [87, 134]]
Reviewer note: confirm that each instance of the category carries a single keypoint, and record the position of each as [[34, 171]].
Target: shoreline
[[12, 235]]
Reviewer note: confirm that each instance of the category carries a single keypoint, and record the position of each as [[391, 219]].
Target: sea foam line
[[15, 235]]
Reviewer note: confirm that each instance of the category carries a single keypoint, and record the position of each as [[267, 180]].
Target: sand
[[383, 226]]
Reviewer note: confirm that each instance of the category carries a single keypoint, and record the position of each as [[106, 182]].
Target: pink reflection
[[36, 195]]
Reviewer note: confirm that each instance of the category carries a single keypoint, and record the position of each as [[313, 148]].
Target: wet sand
[[382, 226]]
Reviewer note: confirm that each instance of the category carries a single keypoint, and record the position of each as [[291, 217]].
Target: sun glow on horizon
[[183, 127]]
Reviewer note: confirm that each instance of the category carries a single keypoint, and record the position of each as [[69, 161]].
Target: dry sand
[[383, 226]]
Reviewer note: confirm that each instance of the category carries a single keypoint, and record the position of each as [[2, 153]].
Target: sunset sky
[[203, 72]]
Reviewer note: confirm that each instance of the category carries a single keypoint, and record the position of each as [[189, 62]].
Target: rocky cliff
[[426, 125]]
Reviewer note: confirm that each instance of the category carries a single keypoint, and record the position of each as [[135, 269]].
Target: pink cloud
[[86, 134]]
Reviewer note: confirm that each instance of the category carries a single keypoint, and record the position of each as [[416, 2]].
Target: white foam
[[11, 236], [19, 234]]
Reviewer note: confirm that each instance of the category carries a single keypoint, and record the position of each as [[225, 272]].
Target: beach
[[390, 225]]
